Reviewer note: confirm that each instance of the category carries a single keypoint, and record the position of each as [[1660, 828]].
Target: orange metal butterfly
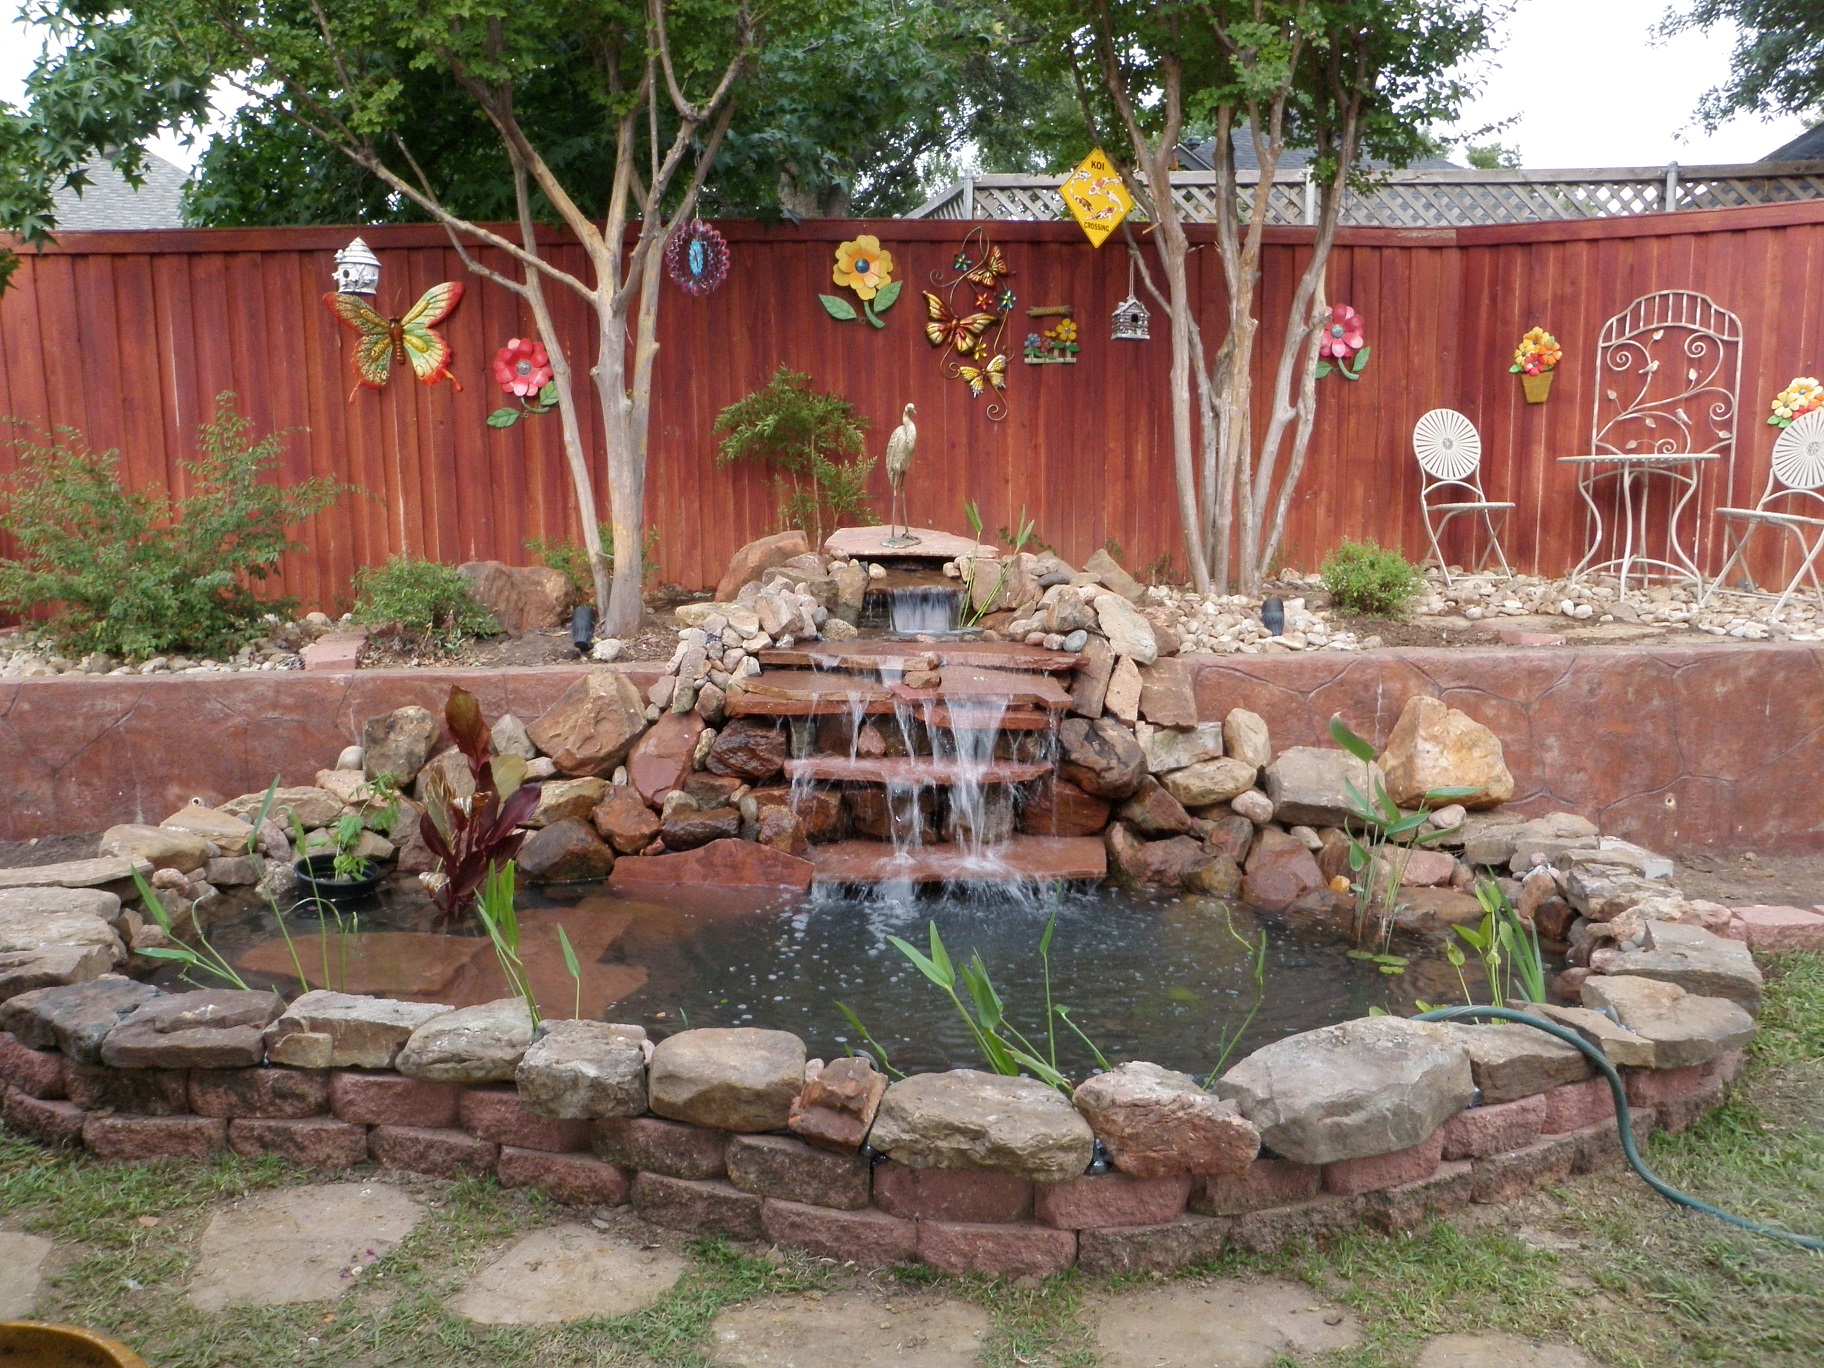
[[993, 266], [387, 342], [994, 373], [945, 329]]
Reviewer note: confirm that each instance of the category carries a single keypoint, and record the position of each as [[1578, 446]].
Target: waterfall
[[922, 610]]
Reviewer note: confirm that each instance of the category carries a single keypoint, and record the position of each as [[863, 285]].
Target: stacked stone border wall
[[1669, 747], [1377, 1123]]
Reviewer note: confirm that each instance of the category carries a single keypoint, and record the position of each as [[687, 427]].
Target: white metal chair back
[[1798, 454], [1448, 446], [1793, 504], [1449, 451]]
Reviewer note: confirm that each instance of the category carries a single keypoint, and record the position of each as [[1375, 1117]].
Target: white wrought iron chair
[[1450, 455], [1794, 502]]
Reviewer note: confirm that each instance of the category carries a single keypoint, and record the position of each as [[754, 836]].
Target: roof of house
[[1808, 146], [108, 202], [1194, 155]]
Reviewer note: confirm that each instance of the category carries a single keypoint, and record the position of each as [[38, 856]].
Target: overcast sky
[[1587, 85]]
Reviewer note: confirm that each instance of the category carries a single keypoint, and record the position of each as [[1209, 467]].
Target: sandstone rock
[[214, 1028], [593, 724], [312, 807], [1167, 698], [757, 557], [1157, 1123], [1175, 748], [1623, 1047], [739, 1079], [749, 748], [561, 799], [660, 760], [226, 830], [965, 1119], [689, 828], [1308, 785], [1154, 811], [1175, 863], [1432, 912], [1245, 737], [838, 1104], [451, 769], [565, 852], [1684, 1029], [75, 1019], [1351, 1091], [1497, 839], [780, 828], [1227, 832], [1510, 1061], [1253, 805], [523, 598], [510, 737], [1100, 757], [161, 847], [36, 919], [328, 1030], [100, 872], [1089, 685], [720, 864], [624, 820], [1435, 747], [24, 971], [1604, 892], [1122, 698], [1209, 782], [1108, 570], [1279, 871], [481, 1044], [584, 1068], [398, 743], [350, 785], [1057, 807], [1128, 633], [1698, 962]]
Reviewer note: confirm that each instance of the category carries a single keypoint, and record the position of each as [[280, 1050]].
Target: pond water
[[1165, 980]]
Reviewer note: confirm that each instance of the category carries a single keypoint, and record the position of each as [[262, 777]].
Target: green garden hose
[[1623, 1125]]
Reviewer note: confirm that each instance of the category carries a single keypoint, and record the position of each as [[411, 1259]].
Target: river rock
[[584, 1068], [1069, 612], [1309, 785], [565, 852], [1154, 811], [734, 1079], [1245, 737], [1128, 633], [660, 760], [624, 821], [214, 1028], [1089, 684], [1511, 1061], [398, 743], [593, 724], [34, 919], [481, 1044], [750, 749], [161, 847], [1253, 805], [757, 557], [966, 1119], [1100, 757], [328, 1030], [1057, 807], [1209, 782], [1158, 1123], [1351, 1091], [1175, 748], [1279, 871], [1435, 747], [838, 1103], [523, 598], [1684, 1028]]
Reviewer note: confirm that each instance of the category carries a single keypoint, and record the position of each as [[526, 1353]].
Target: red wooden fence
[[128, 336]]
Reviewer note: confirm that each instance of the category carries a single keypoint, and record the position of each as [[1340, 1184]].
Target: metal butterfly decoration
[[412, 339], [977, 335], [947, 329]]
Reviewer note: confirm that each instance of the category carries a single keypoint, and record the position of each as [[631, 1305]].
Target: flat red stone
[[726, 863], [871, 657], [1041, 858], [909, 769]]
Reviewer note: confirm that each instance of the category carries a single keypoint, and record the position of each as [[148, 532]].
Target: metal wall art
[[1055, 342], [382, 343], [1343, 346], [1802, 396], [865, 267], [523, 369], [357, 269], [968, 321], [1096, 197], [697, 258], [1131, 322], [1536, 362]]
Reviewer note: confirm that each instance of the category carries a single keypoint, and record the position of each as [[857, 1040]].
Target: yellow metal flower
[[863, 265]]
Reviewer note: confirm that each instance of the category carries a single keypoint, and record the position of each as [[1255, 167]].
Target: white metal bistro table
[[1682, 470]]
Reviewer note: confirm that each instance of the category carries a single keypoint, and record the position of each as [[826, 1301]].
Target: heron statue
[[899, 461]]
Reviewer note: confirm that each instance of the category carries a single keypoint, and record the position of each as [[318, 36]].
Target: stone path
[[849, 1330], [1500, 1351], [566, 1272], [300, 1244], [21, 1259], [1218, 1325]]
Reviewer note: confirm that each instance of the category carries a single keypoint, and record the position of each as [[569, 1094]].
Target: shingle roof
[[108, 202], [1194, 155], [1808, 146]]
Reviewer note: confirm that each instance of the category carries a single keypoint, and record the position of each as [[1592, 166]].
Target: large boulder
[[1351, 1091], [1683, 1028], [1698, 962], [161, 847], [749, 748], [1100, 757], [585, 1068], [593, 724], [965, 1119], [1158, 1123], [1309, 785], [328, 1030], [660, 760], [757, 557], [398, 743], [1208, 782], [1436, 747], [74, 1019], [1128, 633], [733, 1079], [565, 852], [215, 1028], [523, 598], [481, 1044]]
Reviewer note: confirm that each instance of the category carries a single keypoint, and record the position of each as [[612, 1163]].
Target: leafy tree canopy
[[1777, 66]]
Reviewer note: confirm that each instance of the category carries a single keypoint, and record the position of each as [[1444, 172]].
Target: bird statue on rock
[[899, 461]]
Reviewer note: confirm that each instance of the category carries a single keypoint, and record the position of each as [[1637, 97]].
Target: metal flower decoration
[[1342, 346], [865, 267], [523, 369], [697, 258]]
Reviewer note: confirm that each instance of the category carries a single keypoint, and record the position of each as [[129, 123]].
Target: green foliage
[[426, 600], [1492, 156], [572, 557], [131, 573], [1776, 65], [813, 439], [1367, 578], [1507, 946], [970, 614], [207, 960]]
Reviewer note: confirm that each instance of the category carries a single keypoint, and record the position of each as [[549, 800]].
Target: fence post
[[1310, 198], [1671, 196], [968, 197]]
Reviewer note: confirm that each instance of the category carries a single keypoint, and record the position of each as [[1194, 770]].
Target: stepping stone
[[299, 1244], [848, 1330], [21, 1259], [1500, 1351], [1229, 1324], [563, 1273]]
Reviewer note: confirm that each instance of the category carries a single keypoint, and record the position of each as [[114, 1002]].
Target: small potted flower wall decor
[[1801, 396], [1535, 362]]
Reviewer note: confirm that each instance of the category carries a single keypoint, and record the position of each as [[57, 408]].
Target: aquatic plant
[[1507, 945], [207, 960], [474, 834], [971, 615], [495, 910]]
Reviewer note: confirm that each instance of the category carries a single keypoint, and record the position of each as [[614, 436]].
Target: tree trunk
[[626, 482]]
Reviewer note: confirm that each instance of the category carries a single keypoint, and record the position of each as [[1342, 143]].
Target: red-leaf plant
[[473, 834]]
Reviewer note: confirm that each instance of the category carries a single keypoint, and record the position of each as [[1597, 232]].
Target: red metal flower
[[1343, 335], [522, 367]]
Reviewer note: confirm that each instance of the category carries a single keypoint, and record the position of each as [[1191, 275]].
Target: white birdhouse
[[357, 270], [1131, 321]]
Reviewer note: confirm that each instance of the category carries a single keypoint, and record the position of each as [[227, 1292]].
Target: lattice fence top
[[1428, 199]]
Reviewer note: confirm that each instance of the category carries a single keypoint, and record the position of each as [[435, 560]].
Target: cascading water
[[922, 609]]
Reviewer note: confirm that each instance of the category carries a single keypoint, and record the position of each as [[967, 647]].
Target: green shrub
[[1372, 580], [426, 600], [131, 573], [572, 558], [804, 434]]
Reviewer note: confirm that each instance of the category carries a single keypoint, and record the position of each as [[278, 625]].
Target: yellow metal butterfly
[[994, 373], [383, 342], [993, 266], [962, 332]]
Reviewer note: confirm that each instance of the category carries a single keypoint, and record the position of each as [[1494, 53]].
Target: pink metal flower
[[522, 368], [1343, 336]]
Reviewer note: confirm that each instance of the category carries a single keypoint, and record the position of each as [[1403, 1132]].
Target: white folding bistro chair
[[1450, 455], [1794, 502]]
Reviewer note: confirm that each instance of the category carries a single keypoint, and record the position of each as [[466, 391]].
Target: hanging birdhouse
[[1131, 322], [357, 270]]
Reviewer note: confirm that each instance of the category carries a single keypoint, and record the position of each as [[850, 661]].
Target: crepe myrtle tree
[[658, 76], [1350, 80]]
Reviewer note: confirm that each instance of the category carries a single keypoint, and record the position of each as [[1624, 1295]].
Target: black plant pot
[[317, 879]]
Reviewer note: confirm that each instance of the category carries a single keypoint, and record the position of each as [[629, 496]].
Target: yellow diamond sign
[[1096, 197]]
